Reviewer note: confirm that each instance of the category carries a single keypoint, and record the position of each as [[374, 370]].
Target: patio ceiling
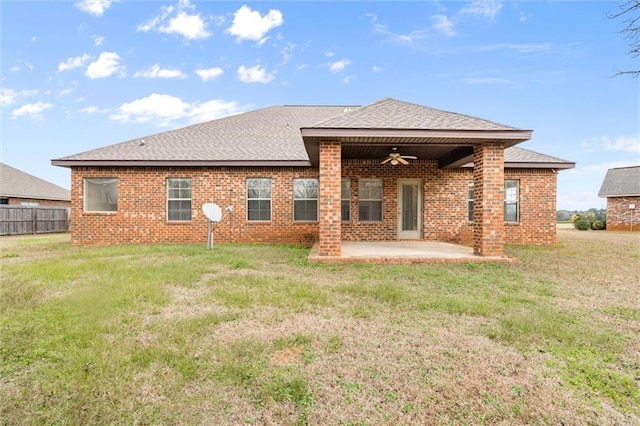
[[450, 149]]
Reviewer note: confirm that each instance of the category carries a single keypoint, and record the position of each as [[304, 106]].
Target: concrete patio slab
[[403, 252]]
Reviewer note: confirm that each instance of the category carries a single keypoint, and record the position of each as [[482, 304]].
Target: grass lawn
[[251, 334]]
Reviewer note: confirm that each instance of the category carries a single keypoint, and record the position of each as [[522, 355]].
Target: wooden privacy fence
[[15, 220]]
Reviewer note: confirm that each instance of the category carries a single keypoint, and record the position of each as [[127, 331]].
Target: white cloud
[[249, 25], [207, 74], [376, 68], [484, 8], [156, 72], [164, 110], [338, 66], [445, 25], [7, 96], [90, 109], [31, 110], [329, 53], [412, 37], [254, 74], [97, 40], [287, 53], [72, 63], [33, 39], [161, 109], [212, 110], [190, 26], [623, 143], [93, 7], [106, 65]]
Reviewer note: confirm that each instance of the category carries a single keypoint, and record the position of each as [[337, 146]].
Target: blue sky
[[85, 74]]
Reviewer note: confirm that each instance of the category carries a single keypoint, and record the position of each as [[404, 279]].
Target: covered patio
[[400, 252]]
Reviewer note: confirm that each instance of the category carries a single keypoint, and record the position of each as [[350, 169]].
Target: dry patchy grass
[[251, 334]]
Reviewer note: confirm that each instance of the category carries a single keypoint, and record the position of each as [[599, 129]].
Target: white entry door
[[410, 209]]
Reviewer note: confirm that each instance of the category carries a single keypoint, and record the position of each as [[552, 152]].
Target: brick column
[[488, 199], [329, 199]]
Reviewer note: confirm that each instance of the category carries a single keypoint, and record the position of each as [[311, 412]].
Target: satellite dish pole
[[214, 215]]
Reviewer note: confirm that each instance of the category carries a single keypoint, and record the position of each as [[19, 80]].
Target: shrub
[[582, 225], [598, 225], [576, 217]]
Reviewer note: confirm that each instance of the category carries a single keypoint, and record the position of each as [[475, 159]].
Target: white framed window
[[101, 195], [470, 200], [345, 199], [259, 199], [370, 200], [305, 200], [178, 199], [511, 200]]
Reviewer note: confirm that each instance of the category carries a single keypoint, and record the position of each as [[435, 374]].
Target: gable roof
[[275, 136], [393, 114], [268, 136], [15, 183], [621, 182]]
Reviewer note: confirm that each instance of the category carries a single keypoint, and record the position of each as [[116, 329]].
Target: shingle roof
[[393, 114], [516, 154], [268, 134], [620, 182], [18, 184], [272, 136]]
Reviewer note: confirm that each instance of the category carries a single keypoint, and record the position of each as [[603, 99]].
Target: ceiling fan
[[394, 158]]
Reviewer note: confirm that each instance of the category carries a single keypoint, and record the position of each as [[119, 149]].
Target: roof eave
[[414, 133], [532, 165], [617, 195], [175, 163]]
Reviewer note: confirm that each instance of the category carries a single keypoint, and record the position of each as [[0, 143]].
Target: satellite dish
[[212, 212]]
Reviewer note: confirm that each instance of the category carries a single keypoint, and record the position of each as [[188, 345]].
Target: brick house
[[18, 188], [390, 170], [621, 187]]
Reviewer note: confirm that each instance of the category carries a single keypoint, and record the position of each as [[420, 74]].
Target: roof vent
[[141, 142], [347, 110]]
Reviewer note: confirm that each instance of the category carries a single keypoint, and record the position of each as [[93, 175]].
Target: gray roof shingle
[[620, 182], [18, 184], [393, 114], [268, 134], [272, 135]]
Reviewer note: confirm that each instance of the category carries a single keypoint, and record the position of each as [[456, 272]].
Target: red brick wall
[[141, 216], [620, 217], [44, 203], [488, 212], [329, 199]]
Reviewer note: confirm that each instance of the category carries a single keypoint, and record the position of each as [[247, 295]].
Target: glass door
[[410, 209]]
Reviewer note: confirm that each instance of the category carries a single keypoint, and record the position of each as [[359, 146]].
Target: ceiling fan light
[[394, 162]]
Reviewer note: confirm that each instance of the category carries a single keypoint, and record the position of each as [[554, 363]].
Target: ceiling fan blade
[[402, 160], [409, 157], [385, 161]]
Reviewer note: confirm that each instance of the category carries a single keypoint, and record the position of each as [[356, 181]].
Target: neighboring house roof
[[621, 182], [275, 136], [15, 183]]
